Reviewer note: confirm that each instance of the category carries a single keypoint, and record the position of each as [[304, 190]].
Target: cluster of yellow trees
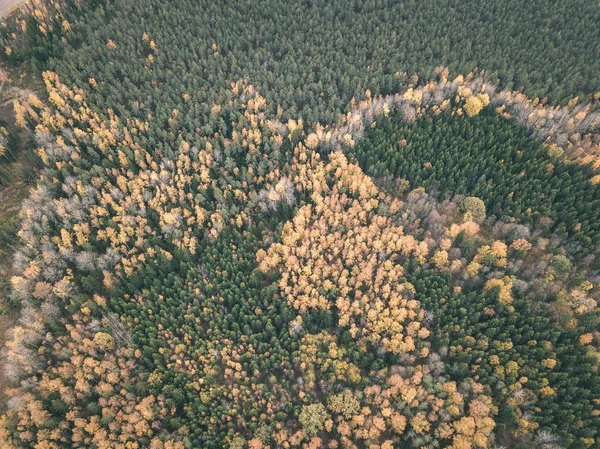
[[340, 252]]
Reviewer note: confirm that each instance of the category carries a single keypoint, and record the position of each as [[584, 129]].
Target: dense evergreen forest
[[488, 157], [312, 57], [302, 224]]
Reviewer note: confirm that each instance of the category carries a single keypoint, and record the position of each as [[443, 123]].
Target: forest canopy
[[303, 224]]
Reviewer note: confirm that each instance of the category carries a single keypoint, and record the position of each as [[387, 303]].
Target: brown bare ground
[[8, 5]]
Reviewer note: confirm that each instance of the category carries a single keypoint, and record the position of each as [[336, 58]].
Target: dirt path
[[12, 194], [7, 5]]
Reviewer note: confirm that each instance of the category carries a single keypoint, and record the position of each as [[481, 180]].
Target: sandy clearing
[[7, 5]]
